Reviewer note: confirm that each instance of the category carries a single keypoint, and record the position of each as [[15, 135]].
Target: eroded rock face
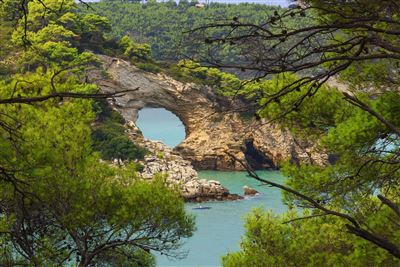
[[211, 128]]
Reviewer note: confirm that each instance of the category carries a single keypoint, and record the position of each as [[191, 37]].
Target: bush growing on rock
[[133, 50], [150, 67], [109, 136]]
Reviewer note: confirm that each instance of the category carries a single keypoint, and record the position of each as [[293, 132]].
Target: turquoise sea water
[[161, 124], [220, 228]]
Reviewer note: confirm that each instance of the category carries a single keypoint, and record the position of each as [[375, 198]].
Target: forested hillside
[[165, 25]]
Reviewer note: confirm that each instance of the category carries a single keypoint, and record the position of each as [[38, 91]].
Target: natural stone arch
[[209, 131], [151, 119], [134, 114]]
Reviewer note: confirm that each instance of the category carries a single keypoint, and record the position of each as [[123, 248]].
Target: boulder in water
[[248, 191]]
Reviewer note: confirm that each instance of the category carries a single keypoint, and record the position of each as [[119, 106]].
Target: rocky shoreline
[[212, 127], [162, 159]]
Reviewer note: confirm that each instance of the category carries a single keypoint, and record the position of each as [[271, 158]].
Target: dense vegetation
[[109, 135], [350, 206], [163, 25], [348, 185], [60, 204], [363, 148]]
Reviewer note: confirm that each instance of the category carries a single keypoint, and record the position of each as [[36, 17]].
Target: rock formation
[[180, 172], [211, 129], [248, 191]]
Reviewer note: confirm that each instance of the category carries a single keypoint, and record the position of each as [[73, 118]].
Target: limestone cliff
[[211, 128]]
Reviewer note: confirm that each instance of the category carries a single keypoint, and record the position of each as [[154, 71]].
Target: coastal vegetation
[[348, 107], [60, 204], [165, 25], [109, 137], [328, 71]]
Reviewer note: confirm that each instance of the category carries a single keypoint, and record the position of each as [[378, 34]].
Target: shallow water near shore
[[220, 228]]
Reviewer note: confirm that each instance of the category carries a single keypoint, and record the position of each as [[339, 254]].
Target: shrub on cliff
[[133, 50], [150, 67], [109, 136]]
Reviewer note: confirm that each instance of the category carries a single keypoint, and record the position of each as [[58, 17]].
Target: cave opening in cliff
[[162, 125], [256, 159]]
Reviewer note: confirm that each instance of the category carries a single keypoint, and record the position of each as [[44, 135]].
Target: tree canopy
[[60, 204], [334, 83], [164, 26], [327, 70]]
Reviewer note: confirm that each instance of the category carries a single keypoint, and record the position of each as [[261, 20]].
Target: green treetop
[[351, 203], [60, 204]]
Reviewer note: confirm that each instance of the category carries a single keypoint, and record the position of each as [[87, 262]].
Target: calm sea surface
[[220, 228], [161, 124]]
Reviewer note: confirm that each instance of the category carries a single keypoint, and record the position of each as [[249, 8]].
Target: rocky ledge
[[179, 171]]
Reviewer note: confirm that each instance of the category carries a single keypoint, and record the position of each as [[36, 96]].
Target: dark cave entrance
[[256, 159]]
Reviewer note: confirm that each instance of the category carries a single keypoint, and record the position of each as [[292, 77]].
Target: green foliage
[[105, 112], [7, 50], [379, 62], [363, 163], [150, 67], [273, 240], [356, 126], [70, 197], [61, 205], [162, 25], [134, 51], [355, 136], [109, 136], [56, 39], [160, 155], [138, 258], [110, 140], [312, 116], [5, 33], [189, 71]]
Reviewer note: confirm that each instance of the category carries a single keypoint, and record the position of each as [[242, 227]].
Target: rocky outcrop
[[212, 128], [248, 191], [179, 172]]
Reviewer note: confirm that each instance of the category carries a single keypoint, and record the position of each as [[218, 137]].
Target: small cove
[[220, 228]]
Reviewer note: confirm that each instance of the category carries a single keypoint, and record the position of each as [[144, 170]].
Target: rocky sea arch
[[212, 126]]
